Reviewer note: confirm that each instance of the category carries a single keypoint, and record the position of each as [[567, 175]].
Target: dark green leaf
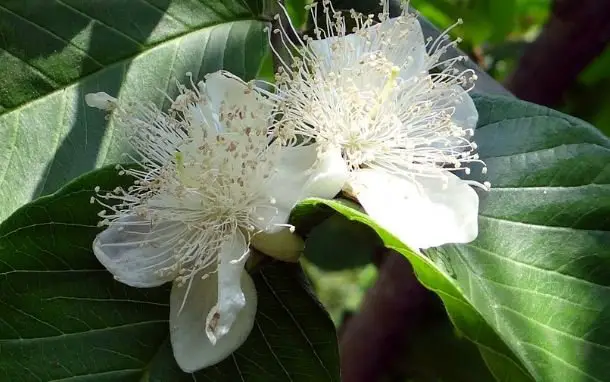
[[63, 317], [437, 340], [339, 243], [534, 286], [466, 319], [55, 52]]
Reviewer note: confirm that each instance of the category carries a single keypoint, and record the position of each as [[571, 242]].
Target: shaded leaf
[[466, 319], [62, 315], [437, 340], [352, 244]]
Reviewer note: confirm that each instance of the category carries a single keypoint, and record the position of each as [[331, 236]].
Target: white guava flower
[[386, 107], [210, 179]]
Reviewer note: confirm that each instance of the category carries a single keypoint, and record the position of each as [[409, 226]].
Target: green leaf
[[54, 52], [352, 244], [296, 11], [533, 290], [503, 16], [63, 317], [436, 340], [341, 292], [539, 272], [467, 320]]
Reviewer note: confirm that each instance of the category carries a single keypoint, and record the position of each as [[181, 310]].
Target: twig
[[391, 309]]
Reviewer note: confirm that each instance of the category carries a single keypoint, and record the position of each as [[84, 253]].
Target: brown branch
[[391, 309], [576, 33]]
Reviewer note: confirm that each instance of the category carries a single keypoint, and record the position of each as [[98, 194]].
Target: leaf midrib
[[297, 324], [565, 146], [549, 188], [103, 373], [535, 268], [541, 227]]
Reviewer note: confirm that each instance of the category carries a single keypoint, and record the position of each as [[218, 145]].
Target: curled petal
[[137, 252], [327, 176], [232, 257], [465, 114], [191, 345], [422, 212], [302, 173]]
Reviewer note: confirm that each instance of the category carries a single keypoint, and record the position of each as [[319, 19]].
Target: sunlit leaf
[[532, 290], [54, 52]]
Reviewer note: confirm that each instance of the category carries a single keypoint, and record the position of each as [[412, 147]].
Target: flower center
[[202, 177], [217, 186], [352, 108], [383, 95]]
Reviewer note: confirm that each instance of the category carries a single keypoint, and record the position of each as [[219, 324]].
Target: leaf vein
[[529, 266], [40, 27], [22, 341], [296, 322], [272, 351], [101, 23]]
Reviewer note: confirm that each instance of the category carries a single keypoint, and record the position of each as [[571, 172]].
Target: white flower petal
[[407, 50], [427, 214], [299, 158], [191, 346], [232, 258], [337, 53], [302, 173], [220, 87], [402, 41], [202, 119], [270, 218], [236, 103], [466, 114], [299, 174], [322, 50], [136, 251], [328, 176]]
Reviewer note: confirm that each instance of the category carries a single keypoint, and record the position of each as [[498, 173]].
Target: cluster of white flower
[[376, 113]]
